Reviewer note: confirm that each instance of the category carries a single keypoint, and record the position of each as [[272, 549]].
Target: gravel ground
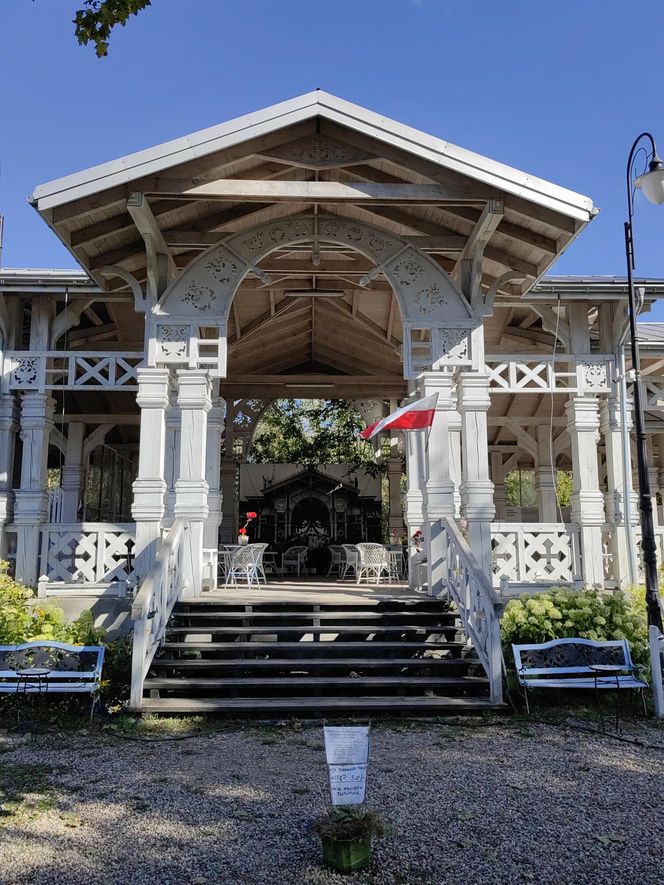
[[468, 803]]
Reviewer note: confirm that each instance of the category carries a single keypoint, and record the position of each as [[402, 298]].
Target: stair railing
[[478, 604], [158, 592]]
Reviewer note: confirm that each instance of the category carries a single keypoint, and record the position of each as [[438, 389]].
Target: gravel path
[[469, 804]]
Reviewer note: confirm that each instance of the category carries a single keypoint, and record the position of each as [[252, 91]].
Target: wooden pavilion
[[314, 249]]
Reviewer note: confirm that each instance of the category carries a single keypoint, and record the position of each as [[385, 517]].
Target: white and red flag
[[415, 416]]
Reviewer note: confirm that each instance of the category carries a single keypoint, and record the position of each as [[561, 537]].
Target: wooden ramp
[[291, 650]]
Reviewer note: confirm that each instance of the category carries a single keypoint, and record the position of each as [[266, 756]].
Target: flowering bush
[[21, 621], [588, 614]]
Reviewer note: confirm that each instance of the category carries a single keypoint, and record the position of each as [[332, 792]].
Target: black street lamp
[[651, 182]]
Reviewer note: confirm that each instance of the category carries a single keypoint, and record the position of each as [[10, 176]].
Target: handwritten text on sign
[[347, 752], [348, 784]]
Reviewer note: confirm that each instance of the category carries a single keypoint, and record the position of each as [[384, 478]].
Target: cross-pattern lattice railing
[[87, 552], [478, 604], [532, 553], [555, 373], [152, 607], [73, 370]]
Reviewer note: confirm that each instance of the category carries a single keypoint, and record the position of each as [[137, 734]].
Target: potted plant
[[345, 832], [243, 537]]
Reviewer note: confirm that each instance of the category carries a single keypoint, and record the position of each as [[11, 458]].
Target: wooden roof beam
[[138, 207], [262, 190]]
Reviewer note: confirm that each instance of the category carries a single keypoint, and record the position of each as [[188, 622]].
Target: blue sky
[[557, 89]]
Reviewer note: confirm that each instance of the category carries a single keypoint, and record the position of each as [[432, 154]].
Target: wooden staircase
[[240, 656]]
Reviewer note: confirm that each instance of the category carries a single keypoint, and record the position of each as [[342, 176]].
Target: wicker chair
[[351, 561], [259, 550], [242, 564], [338, 559], [374, 562], [294, 558]]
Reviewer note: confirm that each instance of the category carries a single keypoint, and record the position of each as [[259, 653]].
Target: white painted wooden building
[[314, 249]]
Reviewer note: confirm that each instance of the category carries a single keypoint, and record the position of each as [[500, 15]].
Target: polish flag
[[414, 416]]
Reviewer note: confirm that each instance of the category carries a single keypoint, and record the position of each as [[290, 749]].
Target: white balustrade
[[154, 602], [478, 604], [72, 370], [534, 553], [87, 552], [553, 373]]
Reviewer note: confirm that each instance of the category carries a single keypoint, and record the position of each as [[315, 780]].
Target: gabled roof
[[312, 104], [307, 473], [313, 154]]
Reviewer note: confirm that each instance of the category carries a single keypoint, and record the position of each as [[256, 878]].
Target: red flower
[[251, 515], [243, 531]]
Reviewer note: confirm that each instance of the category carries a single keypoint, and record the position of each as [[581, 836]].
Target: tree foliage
[[95, 21], [308, 432]]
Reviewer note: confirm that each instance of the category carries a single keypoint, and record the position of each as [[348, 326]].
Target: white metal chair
[[374, 562], [351, 560], [294, 558], [259, 550], [338, 559], [242, 564]]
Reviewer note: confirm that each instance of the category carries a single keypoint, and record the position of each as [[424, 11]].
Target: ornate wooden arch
[[201, 298]]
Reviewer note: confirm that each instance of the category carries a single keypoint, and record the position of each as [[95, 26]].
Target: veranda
[[315, 249]]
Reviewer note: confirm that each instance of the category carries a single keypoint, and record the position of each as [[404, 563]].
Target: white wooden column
[[9, 425], [653, 477], [587, 500], [395, 515], [456, 470], [150, 486], [228, 532], [545, 476], [439, 484], [660, 475], [498, 480], [32, 497], [614, 498], [171, 456], [191, 488], [215, 430], [415, 500], [476, 489], [71, 481]]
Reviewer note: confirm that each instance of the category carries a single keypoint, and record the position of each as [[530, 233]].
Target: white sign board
[[347, 784], [347, 753]]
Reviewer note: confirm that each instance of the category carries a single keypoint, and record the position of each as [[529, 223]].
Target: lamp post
[[651, 182]]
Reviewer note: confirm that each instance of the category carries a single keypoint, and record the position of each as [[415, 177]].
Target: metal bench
[[577, 663], [656, 641], [43, 667]]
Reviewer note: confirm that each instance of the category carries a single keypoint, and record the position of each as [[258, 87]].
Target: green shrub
[[588, 614], [25, 619]]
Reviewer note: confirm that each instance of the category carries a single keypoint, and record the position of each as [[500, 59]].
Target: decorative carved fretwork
[[26, 372], [319, 152], [223, 269], [453, 345], [200, 297], [595, 375], [173, 341]]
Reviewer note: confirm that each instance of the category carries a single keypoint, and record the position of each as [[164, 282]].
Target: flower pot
[[347, 855], [243, 539]]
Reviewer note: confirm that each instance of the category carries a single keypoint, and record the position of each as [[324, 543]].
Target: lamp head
[[652, 181]]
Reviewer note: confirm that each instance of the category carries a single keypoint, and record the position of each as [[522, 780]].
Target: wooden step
[[302, 664], [308, 628], [233, 600], [313, 682], [324, 646], [389, 703], [373, 617]]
